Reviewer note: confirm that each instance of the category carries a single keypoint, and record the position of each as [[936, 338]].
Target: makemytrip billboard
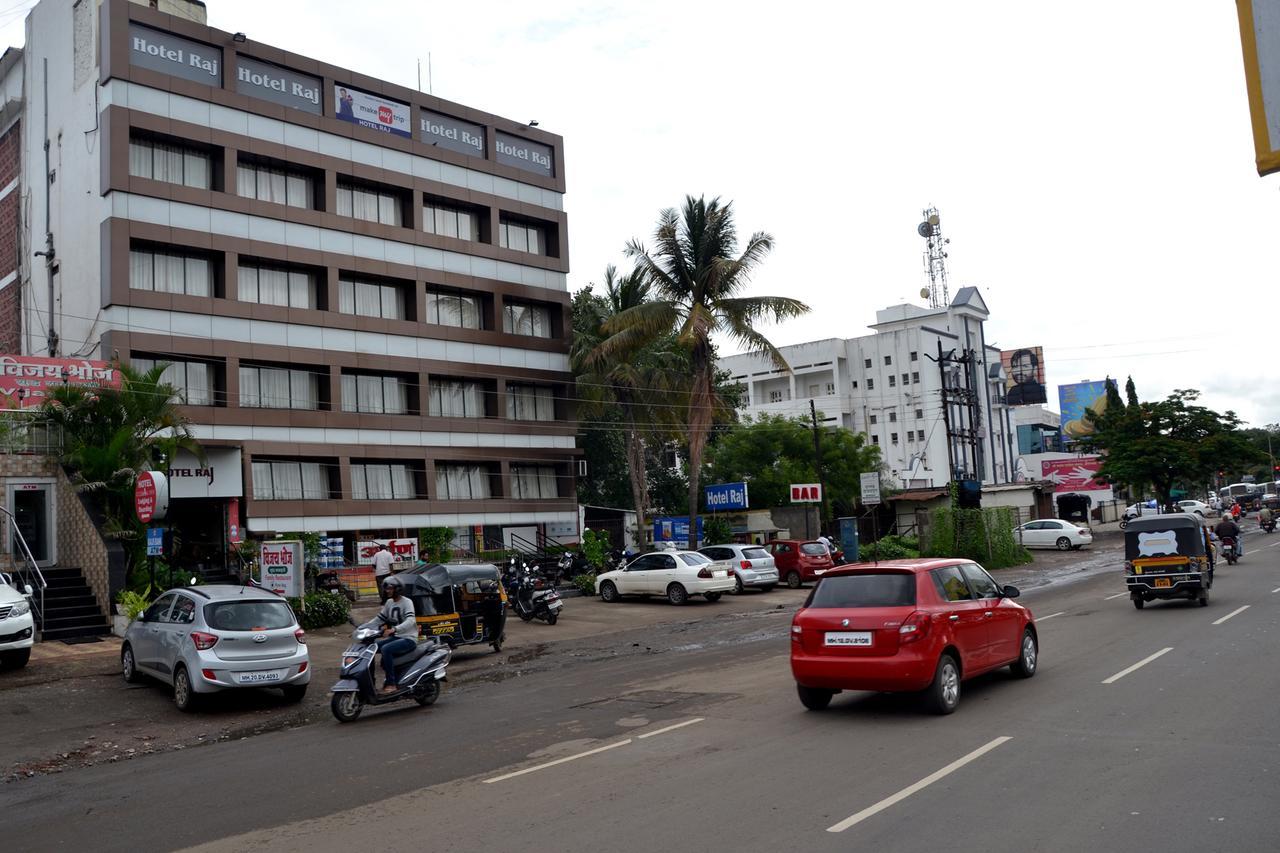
[[1024, 376], [1073, 475], [372, 111], [25, 381], [1072, 402]]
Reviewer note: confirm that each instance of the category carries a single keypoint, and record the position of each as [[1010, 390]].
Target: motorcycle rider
[[399, 630], [1228, 527], [1264, 516]]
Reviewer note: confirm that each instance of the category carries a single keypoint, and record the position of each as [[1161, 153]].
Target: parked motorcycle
[[329, 582], [420, 673], [527, 598]]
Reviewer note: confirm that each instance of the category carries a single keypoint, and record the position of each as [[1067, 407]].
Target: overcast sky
[[1092, 161]]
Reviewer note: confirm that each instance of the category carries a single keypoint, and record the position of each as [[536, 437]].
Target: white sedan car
[[1199, 508], [1053, 533], [674, 574]]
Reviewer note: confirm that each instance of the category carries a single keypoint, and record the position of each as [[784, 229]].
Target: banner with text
[[25, 381], [174, 55], [1073, 475], [278, 85], [724, 496], [403, 550], [372, 111], [451, 133]]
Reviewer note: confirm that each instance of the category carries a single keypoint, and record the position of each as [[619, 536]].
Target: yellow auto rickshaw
[[1167, 556], [459, 605]]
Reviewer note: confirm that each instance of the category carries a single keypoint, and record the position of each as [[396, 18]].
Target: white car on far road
[[1053, 533], [1199, 508], [673, 574]]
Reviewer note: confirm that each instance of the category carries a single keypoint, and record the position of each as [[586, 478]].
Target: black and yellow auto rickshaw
[[1167, 556], [459, 605]]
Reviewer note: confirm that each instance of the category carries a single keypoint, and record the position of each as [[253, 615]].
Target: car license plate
[[847, 638], [1163, 583], [258, 677]]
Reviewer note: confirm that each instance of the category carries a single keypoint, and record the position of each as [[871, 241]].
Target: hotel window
[[462, 482], [866, 362], [531, 320], [920, 434], [173, 164], [875, 439], [530, 403], [919, 413], [447, 220], [522, 236], [371, 299], [170, 272], [888, 360], [893, 417], [893, 380], [893, 437], [375, 395], [454, 399], [278, 388], [370, 203], [533, 482], [915, 356], [871, 384], [872, 419], [193, 380], [911, 437], [915, 378], [273, 285], [445, 308], [276, 184], [375, 482], [290, 481]]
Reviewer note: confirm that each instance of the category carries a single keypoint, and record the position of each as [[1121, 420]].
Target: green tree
[[698, 277], [772, 452], [1167, 443]]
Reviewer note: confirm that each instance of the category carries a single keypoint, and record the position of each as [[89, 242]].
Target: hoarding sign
[[155, 541], [281, 566], [524, 154], [806, 493], [723, 496], [151, 496], [372, 111], [1072, 475], [401, 549], [174, 55], [278, 85], [451, 133], [870, 486], [1073, 400], [1024, 376], [25, 381], [235, 534], [219, 476], [331, 552], [674, 529], [1260, 40]]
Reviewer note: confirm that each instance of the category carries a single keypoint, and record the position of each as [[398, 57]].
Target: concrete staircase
[[71, 610]]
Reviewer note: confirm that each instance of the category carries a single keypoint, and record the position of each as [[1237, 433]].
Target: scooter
[[1229, 550], [527, 600], [421, 671], [1268, 526]]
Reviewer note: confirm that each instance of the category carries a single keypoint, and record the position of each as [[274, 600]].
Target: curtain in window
[[298, 191], [246, 181], [378, 480], [139, 159], [199, 276], [358, 490], [369, 394], [395, 396], [274, 387], [273, 186], [141, 276], [199, 384], [530, 403], [305, 390], [392, 304], [402, 482], [349, 393], [533, 482], [346, 203], [286, 479], [315, 481], [273, 286], [300, 290], [462, 482], [456, 399], [346, 296], [262, 489], [388, 209], [195, 169], [368, 300], [248, 284], [250, 393], [364, 205]]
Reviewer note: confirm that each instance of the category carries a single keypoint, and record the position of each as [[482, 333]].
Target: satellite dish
[[933, 220], [924, 293], [924, 229]]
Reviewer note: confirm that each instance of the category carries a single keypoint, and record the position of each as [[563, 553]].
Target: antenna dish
[[924, 229], [924, 293]]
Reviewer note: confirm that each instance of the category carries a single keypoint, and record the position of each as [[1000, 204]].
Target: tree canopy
[[1165, 444]]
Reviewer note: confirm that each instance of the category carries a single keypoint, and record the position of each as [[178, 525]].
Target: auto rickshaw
[[1167, 556], [459, 605]]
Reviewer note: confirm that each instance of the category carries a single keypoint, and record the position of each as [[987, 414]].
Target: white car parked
[[1053, 533], [17, 626], [674, 574], [1199, 508]]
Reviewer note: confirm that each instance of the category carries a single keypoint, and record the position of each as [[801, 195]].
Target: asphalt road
[[691, 738]]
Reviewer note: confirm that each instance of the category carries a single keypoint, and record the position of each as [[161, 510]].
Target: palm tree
[[697, 277], [628, 372]]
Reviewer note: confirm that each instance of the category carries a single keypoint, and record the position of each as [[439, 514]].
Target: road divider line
[[564, 760], [1235, 612], [1117, 595], [1051, 615], [1122, 673], [670, 728], [918, 786], [1277, 589]]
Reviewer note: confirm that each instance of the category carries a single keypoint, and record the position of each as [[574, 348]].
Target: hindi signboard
[[869, 483], [280, 562], [25, 381], [403, 550]]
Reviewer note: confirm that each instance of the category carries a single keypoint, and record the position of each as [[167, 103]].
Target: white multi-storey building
[[890, 386]]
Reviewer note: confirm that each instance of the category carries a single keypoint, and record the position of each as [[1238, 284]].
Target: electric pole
[[817, 455]]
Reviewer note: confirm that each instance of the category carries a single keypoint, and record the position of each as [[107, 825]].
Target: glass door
[[32, 507]]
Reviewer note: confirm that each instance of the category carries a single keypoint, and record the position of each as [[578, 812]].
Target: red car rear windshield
[[248, 615], [865, 590], [813, 549]]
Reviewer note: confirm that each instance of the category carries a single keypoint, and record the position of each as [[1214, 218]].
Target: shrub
[[132, 603], [595, 544], [716, 530], [890, 548], [433, 544], [586, 583], [323, 609]]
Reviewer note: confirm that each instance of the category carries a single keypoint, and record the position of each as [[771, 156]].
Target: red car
[[908, 625], [799, 560]]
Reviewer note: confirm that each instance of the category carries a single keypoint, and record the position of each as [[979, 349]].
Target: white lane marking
[[1122, 673], [1117, 595], [1273, 544], [1277, 589], [1235, 612], [567, 758], [670, 728], [918, 786], [1051, 615]]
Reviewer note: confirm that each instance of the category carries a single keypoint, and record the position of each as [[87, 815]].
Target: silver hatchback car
[[203, 639], [753, 567]]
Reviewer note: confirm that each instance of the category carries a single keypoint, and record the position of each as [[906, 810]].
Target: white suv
[[17, 627]]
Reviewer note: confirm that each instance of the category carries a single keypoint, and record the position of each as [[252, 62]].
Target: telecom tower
[[935, 258]]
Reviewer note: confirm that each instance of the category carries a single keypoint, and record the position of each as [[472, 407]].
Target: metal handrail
[[34, 570]]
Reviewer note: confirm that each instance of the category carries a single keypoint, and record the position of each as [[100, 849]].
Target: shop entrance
[[33, 507], [199, 528]]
